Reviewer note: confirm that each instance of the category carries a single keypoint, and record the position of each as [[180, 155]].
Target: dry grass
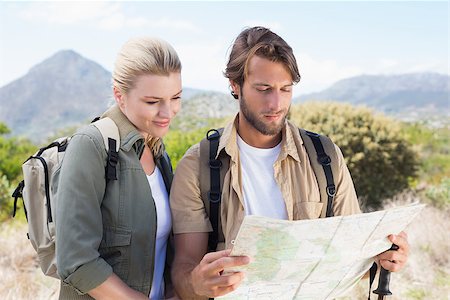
[[20, 275], [427, 275]]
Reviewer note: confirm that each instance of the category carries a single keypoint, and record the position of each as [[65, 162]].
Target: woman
[[112, 236]]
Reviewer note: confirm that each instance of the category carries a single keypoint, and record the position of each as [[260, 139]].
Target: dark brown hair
[[262, 42]]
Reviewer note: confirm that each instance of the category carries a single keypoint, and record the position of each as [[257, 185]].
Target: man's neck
[[253, 137]]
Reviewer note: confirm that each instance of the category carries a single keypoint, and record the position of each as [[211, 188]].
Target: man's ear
[[235, 89], [119, 97]]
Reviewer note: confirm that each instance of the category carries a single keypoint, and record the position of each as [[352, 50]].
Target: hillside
[[63, 90], [68, 90]]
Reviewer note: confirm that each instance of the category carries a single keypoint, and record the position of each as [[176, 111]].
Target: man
[[269, 171]]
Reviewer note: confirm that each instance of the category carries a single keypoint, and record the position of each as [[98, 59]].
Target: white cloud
[[203, 64], [69, 12], [274, 26], [103, 15], [386, 63], [112, 22], [320, 74], [174, 24], [433, 66]]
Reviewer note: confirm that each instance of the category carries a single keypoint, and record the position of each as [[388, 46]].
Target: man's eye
[[263, 90], [287, 90]]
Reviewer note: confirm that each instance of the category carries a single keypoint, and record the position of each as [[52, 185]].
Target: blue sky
[[332, 40]]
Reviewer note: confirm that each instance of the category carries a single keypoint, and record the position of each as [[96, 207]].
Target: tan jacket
[[293, 174]]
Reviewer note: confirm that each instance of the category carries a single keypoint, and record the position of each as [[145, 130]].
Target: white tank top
[[164, 224]]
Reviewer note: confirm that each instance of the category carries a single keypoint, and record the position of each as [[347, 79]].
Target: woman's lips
[[162, 124]]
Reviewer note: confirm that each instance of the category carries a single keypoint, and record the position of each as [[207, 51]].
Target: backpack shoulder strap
[[111, 140], [212, 173], [323, 157], [165, 166]]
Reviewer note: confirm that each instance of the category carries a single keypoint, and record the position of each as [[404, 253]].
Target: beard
[[257, 123]]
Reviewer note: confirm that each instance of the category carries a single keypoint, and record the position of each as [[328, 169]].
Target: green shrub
[[440, 194], [416, 294], [178, 142], [6, 202], [379, 158], [185, 133], [433, 146], [13, 152]]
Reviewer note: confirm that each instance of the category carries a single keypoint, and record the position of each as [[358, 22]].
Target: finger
[[403, 235], [392, 266], [228, 262], [401, 241], [223, 290], [213, 256], [228, 280], [393, 256]]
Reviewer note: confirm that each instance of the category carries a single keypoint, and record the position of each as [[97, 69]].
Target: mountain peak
[[66, 55], [73, 87], [64, 61]]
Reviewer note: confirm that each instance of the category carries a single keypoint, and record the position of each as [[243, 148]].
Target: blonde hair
[[142, 56]]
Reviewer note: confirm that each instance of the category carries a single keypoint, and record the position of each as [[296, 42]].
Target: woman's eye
[[152, 102], [176, 98]]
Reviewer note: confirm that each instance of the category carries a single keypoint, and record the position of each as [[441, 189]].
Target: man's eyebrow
[[260, 84], [268, 85]]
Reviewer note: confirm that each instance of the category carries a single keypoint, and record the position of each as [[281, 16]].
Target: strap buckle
[[331, 190], [212, 134], [214, 197], [215, 163], [324, 160]]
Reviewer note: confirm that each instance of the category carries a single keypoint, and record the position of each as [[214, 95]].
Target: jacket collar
[[129, 135], [290, 141]]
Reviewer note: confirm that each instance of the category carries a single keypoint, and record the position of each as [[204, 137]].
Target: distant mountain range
[[67, 90], [414, 95]]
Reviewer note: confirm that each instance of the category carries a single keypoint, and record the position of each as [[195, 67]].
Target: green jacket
[[105, 227]]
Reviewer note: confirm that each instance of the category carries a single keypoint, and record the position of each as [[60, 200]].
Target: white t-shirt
[[262, 196], [164, 224]]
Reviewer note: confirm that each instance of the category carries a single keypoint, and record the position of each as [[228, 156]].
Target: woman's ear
[[119, 97]]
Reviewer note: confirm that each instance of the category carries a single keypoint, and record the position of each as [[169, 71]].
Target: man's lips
[[272, 117]]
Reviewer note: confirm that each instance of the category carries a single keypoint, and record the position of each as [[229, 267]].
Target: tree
[[378, 156], [13, 152]]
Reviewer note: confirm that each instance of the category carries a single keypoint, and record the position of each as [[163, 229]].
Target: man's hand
[[392, 260], [208, 278], [199, 275]]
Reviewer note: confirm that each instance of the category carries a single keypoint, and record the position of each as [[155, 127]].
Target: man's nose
[[275, 101]]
